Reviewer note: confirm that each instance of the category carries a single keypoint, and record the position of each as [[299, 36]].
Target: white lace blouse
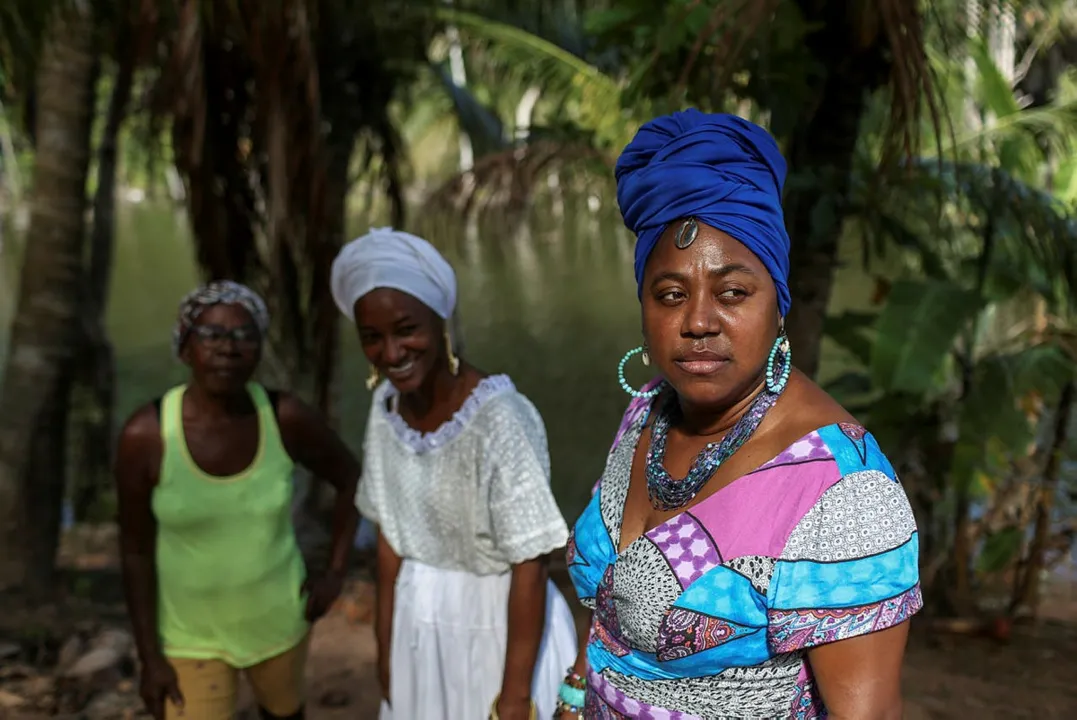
[[474, 495]]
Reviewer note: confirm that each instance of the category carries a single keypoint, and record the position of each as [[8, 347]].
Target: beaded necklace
[[669, 494]]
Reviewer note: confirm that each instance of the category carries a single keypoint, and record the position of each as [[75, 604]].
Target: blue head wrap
[[720, 169]]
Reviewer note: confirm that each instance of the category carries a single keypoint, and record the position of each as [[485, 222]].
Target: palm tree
[[267, 105], [45, 332]]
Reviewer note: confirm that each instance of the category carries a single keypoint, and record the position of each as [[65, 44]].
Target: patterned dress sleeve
[[524, 516], [850, 565]]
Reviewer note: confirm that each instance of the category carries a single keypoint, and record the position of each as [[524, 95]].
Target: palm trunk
[[45, 331], [97, 376], [43, 488], [822, 149]]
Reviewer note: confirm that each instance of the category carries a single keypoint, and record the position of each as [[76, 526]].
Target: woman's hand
[[159, 683], [321, 592], [383, 676], [514, 709]]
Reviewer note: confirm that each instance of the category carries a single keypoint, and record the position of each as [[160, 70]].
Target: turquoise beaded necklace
[[667, 493]]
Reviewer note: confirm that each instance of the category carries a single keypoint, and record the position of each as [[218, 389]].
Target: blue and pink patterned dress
[[710, 614]]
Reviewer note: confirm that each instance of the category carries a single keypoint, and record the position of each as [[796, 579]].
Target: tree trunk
[[1027, 593], [96, 376], [313, 499], [43, 487], [45, 331], [820, 163]]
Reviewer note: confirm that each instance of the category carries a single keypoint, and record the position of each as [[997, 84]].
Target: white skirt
[[450, 631]]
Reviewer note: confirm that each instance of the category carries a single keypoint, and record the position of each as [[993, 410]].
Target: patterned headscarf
[[218, 292]]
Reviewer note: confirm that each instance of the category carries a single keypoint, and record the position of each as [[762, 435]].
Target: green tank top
[[229, 570]]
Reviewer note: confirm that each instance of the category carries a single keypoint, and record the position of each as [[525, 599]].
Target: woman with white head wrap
[[457, 478]]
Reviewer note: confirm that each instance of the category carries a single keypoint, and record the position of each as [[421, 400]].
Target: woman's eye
[[407, 330], [734, 293], [671, 296]]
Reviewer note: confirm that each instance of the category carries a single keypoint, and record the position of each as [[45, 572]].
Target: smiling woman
[[457, 478], [214, 579]]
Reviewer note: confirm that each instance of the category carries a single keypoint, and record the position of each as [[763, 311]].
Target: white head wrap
[[387, 258]]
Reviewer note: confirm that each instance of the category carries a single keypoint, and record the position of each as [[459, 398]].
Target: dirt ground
[[1031, 675]]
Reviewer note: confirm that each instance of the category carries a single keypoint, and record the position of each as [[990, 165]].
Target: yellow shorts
[[209, 687]]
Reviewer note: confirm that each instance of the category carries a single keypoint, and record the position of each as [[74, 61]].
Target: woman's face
[[222, 349], [710, 316], [400, 336]]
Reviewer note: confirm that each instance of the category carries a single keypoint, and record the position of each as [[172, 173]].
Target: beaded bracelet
[[572, 695], [562, 708], [575, 680]]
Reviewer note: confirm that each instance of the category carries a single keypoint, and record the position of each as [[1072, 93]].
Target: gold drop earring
[[454, 362], [373, 378]]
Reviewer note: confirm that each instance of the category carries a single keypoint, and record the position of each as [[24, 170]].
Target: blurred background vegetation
[[145, 146]]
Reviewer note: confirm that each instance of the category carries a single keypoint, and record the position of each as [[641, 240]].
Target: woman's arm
[[527, 619], [314, 445], [388, 567], [526, 526], [860, 678], [856, 547], [581, 669], [138, 530], [137, 457]]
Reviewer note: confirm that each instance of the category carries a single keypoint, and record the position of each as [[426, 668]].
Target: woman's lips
[[399, 372], [701, 362], [701, 367]]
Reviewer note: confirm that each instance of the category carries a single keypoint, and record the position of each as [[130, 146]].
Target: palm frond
[[1056, 123], [535, 46], [577, 89], [944, 211]]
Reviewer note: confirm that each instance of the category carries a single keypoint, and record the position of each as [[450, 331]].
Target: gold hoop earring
[[454, 362], [373, 378]]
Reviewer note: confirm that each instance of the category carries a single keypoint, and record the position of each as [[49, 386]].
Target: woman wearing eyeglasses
[[214, 579]]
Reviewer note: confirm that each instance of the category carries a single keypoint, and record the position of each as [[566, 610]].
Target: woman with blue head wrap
[[748, 551]]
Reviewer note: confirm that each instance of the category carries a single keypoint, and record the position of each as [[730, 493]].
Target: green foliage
[[915, 332], [852, 331], [999, 550]]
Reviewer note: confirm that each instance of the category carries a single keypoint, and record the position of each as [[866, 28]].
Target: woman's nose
[[394, 352], [701, 316]]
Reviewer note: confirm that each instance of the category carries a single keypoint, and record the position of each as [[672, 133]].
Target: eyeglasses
[[215, 336]]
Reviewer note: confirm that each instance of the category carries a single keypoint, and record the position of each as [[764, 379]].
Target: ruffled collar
[[420, 442]]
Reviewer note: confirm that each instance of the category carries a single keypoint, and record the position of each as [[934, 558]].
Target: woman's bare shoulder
[[805, 407]]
